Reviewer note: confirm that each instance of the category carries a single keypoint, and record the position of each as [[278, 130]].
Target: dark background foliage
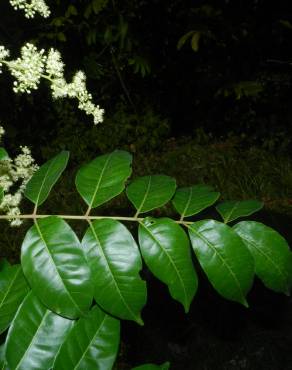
[[200, 90]]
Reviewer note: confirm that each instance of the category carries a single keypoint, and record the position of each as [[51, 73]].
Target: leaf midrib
[[111, 273], [248, 240], [53, 262], [91, 341], [222, 259], [171, 261]]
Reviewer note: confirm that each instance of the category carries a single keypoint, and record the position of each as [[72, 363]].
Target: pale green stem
[[84, 217]]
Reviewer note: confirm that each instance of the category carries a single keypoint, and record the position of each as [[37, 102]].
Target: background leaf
[[164, 366], [42, 181], [13, 289], [166, 250], [92, 343], [3, 154], [192, 200], [35, 336], [115, 262], [150, 192], [273, 258], [55, 267], [225, 259], [231, 210], [104, 177]]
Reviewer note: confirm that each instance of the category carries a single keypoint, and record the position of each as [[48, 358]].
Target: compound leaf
[[35, 336], [273, 259], [231, 210], [192, 200], [104, 177], [13, 289], [150, 192], [165, 249], [115, 262], [224, 258], [55, 267], [92, 343], [42, 181]]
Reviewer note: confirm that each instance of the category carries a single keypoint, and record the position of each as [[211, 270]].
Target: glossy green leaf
[[150, 192], [192, 200], [164, 366], [115, 262], [225, 259], [165, 249], [2, 357], [3, 154], [13, 289], [231, 210], [104, 177], [42, 181], [55, 267], [273, 259], [35, 336], [92, 343]]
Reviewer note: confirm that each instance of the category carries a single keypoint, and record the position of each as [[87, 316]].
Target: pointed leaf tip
[[42, 181], [149, 192], [104, 178], [224, 258], [231, 210]]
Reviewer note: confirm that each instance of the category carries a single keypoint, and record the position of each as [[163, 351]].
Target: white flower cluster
[[4, 54], [13, 173], [31, 7], [34, 65], [28, 69]]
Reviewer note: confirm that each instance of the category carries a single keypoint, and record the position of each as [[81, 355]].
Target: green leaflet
[[231, 210], [42, 181], [35, 336], [150, 192], [13, 288], [92, 343], [1, 194], [2, 357], [3, 154], [103, 178], [55, 267], [225, 259], [273, 259], [115, 262], [164, 366], [166, 250], [192, 200]]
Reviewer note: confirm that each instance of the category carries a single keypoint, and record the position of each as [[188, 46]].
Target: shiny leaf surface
[[192, 200], [13, 289], [104, 177], [35, 336], [273, 259], [42, 181], [55, 267], [2, 357], [225, 259], [165, 249], [92, 343], [150, 192], [115, 262], [231, 210]]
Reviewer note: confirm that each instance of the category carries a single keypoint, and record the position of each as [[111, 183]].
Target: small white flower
[[15, 173], [31, 7]]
